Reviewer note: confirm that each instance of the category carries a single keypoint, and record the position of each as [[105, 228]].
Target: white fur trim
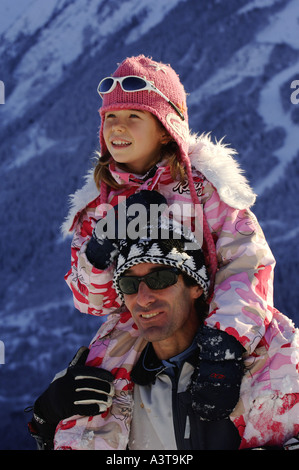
[[214, 160], [79, 200]]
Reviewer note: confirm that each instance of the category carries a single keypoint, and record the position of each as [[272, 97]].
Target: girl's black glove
[[80, 390], [215, 383], [100, 252], [103, 245]]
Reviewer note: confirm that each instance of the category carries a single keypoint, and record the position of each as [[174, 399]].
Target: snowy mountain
[[237, 60]]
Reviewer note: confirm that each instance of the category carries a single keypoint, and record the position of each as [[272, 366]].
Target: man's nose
[[145, 295]]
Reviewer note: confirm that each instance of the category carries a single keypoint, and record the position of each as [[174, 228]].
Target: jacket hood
[[214, 160], [217, 163]]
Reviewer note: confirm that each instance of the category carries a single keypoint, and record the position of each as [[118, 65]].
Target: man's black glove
[[81, 390], [103, 245], [215, 383]]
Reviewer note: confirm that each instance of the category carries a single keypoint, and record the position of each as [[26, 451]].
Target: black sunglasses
[[155, 280]]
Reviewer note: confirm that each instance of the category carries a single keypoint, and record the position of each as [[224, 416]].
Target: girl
[[146, 144]]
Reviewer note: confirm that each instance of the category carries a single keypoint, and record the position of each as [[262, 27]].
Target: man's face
[[165, 315]]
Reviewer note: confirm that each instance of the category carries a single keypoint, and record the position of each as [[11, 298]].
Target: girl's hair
[[169, 151]]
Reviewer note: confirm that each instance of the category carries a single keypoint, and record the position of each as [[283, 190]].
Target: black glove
[[100, 252], [82, 390], [215, 383], [102, 247]]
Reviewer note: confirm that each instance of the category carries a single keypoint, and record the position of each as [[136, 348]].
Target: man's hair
[[200, 304]]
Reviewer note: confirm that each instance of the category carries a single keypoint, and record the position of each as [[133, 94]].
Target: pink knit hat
[[167, 81]]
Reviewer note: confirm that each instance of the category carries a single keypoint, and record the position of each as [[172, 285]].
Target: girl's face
[[134, 138]]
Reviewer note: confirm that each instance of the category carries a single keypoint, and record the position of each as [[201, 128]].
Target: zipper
[[181, 422]]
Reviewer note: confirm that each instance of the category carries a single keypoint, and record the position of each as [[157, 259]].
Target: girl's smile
[[120, 143]]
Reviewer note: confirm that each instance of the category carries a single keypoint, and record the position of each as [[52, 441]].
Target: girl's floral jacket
[[242, 303]]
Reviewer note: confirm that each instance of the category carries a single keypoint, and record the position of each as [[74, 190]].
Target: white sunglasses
[[130, 84]]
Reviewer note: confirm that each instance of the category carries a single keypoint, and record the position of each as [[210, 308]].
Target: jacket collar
[[151, 178], [215, 161], [149, 366]]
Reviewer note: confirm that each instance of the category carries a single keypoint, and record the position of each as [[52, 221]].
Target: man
[[167, 411], [184, 388], [188, 376]]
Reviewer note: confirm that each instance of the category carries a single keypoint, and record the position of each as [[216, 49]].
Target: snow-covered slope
[[236, 58]]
